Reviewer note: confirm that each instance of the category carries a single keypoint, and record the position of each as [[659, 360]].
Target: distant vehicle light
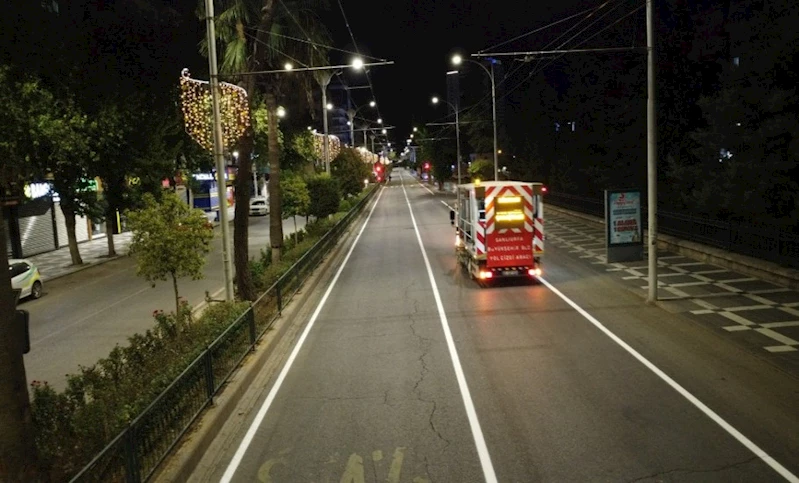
[[543, 189]]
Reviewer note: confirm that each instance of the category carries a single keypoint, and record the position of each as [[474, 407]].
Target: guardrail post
[[279, 299], [131, 461], [209, 373], [251, 324]]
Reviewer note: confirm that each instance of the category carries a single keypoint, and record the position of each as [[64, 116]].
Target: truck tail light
[[534, 272], [485, 275]]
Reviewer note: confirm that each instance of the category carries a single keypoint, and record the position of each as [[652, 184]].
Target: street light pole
[[651, 158], [351, 116], [323, 78], [324, 125], [494, 115], [219, 156], [351, 113], [457, 132], [457, 59]]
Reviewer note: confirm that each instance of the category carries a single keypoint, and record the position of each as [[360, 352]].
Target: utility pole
[[651, 156], [494, 113], [324, 79], [219, 156], [351, 116]]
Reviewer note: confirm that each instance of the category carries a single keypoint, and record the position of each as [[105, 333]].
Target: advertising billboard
[[624, 232]]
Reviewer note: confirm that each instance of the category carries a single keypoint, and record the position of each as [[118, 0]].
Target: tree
[[170, 240], [17, 445], [350, 171], [299, 154], [482, 169], [325, 196], [296, 199], [747, 153], [64, 153], [244, 52]]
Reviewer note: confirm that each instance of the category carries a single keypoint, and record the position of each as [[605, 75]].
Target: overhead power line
[[539, 29]]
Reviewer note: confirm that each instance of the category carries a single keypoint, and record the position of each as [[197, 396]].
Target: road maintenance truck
[[499, 229]]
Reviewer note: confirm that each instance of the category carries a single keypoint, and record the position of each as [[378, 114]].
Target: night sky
[[421, 36]]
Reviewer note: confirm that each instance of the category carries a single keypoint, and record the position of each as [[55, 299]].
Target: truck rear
[[500, 229]]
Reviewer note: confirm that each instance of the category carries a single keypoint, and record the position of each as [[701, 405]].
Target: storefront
[[37, 224]]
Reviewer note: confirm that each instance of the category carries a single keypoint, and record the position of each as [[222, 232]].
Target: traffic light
[[378, 168], [426, 166]]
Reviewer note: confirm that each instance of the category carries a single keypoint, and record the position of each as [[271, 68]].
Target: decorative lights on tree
[[234, 111], [333, 146], [368, 156]]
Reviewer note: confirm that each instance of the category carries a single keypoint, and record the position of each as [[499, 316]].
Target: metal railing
[[135, 454], [765, 241]]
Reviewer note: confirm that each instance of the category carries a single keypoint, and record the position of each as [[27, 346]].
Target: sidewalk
[[58, 263], [760, 315]]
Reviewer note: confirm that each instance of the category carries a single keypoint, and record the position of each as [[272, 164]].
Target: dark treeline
[[726, 74]]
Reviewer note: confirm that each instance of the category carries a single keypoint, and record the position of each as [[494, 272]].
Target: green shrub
[[325, 196], [344, 206], [72, 426]]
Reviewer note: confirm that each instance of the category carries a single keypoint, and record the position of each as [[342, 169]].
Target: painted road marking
[[248, 437], [751, 446], [354, 470], [471, 413]]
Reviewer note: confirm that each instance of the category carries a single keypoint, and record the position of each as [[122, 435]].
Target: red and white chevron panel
[[538, 234], [480, 239]]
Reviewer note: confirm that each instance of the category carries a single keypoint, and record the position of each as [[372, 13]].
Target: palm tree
[[253, 35]]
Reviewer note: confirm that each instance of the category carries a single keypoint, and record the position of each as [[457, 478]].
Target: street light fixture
[[379, 120], [351, 115], [458, 60], [281, 112], [323, 78], [288, 66]]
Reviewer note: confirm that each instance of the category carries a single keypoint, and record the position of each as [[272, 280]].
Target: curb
[[82, 267], [190, 450], [768, 271]]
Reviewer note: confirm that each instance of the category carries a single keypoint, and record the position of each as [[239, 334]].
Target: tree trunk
[[110, 220], [177, 296], [241, 222], [72, 240], [275, 210], [17, 446]]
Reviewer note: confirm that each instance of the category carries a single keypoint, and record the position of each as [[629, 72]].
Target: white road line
[[774, 464], [234, 463], [471, 413]]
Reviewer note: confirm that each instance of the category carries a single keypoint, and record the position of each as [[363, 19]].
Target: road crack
[[425, 344], [694, 470]]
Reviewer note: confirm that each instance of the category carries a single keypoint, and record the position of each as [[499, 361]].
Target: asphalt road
[[397, 379], [85, 314]]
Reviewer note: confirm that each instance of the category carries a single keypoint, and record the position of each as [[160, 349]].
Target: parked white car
[[258, 206], [25, 276]]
